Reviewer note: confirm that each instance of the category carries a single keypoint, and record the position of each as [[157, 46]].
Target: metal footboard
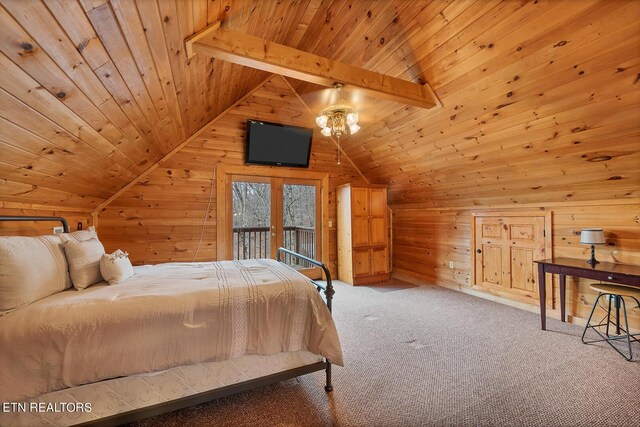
[[328, 292], [327, 288]]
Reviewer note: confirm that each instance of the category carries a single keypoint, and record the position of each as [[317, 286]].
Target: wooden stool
[[617, 293]]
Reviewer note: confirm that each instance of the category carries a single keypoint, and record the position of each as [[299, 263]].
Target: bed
[[171, 336]]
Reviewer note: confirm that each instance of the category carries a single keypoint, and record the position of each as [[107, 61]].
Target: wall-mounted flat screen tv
[[277, 144]]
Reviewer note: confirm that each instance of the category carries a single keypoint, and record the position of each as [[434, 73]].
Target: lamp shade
[[592, 236]]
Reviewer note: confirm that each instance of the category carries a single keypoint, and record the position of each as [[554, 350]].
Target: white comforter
[[166, 315]]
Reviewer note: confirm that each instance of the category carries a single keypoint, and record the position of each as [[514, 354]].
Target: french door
[[272, 212]]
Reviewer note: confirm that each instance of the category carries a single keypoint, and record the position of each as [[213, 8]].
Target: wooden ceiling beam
[[254, 52]]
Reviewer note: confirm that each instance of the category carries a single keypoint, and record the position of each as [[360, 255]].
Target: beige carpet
[[428, 356]]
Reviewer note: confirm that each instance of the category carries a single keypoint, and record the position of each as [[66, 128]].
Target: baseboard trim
[[534, 308]]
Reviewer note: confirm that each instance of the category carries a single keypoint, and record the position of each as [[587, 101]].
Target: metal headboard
[[65, 225]]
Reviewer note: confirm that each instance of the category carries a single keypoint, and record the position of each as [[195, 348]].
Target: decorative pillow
[[31, 268], [81, 235], [116, 267], [84, 262]]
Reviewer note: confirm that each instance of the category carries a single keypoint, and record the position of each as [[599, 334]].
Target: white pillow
[[116, 267], [84, 262], [81, 235], [31, 268]]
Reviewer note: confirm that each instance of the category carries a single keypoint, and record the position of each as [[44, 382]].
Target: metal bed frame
[[196, 399]]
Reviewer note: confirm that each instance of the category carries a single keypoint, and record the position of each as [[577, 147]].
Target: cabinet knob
[[609, 277], [479, 251]]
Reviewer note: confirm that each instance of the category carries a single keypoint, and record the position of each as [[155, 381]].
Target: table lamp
[[592, 236]]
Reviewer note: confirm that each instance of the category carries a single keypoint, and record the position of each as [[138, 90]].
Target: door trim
[[548, 241], [224, 174]]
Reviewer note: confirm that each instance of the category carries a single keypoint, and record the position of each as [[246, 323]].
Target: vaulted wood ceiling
[[540, 98]]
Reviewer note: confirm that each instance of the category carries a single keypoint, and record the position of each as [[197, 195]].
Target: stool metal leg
[[595, 304], [626, 326], [617, 314], [609, 314]]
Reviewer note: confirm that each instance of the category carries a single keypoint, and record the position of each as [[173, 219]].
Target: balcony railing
[[255, 242]]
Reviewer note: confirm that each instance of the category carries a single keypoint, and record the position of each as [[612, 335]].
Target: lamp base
[[592, 260]]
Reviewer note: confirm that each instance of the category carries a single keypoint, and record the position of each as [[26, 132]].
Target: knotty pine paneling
[[160, 219], [103, 89], [426, 239], [539, 105]]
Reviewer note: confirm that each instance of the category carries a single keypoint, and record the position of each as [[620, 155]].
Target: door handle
[[479, 251]]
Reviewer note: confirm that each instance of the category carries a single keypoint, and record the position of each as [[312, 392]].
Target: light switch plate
[[450, 264], [58, 230]]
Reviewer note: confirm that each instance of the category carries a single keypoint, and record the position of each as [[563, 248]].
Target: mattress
[[118, 395], [167, 315]]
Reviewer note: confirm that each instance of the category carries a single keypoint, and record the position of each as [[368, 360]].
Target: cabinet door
[[378, 202], [379, 261], [377, 217], [505, 249], [361, 262], [360, 216]]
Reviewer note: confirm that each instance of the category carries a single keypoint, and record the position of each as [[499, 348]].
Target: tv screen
[[277, 144]]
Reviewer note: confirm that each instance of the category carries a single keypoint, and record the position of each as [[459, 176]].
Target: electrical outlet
[[450, 264], [330, 223], [58, 230]]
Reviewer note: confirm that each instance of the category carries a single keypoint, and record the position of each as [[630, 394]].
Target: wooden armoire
[[363, 238]]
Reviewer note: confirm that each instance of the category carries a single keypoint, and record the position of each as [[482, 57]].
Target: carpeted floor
[[428, 356]]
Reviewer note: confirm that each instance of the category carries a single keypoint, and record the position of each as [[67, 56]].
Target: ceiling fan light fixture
[[338, 119], [321, 121]]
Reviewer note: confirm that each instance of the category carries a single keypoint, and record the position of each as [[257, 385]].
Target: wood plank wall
[[426, 239], [160, 219]]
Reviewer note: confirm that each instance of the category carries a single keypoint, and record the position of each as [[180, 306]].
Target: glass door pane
[[251, 207], [299, 221]]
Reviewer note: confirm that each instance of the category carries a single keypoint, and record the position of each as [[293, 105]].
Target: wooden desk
[[605, 271]]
